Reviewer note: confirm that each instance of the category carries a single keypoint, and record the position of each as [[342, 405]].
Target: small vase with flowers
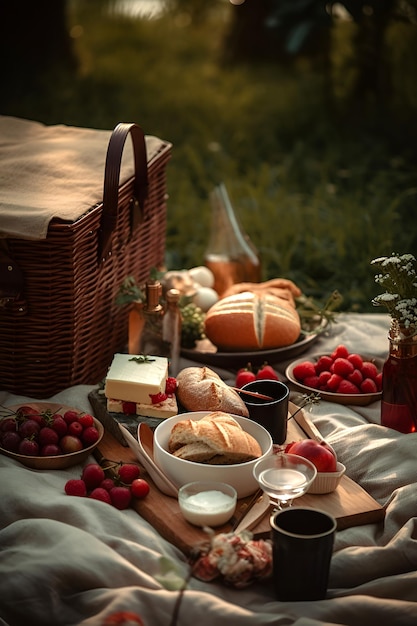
[[398, 276]]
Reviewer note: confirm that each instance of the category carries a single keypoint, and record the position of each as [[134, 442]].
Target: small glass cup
[[284, 477]]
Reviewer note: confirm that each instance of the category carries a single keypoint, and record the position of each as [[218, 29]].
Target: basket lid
[[51, 172]]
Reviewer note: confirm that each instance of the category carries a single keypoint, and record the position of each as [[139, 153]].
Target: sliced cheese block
[[167, 408], [136, 381]]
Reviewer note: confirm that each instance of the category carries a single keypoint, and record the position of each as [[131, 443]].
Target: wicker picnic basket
[[59, 323]]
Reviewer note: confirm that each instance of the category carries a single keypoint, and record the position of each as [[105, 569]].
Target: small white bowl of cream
[[207, 503]]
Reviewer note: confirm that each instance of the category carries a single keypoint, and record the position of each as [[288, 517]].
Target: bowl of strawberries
[[44, 435], [342, 376]]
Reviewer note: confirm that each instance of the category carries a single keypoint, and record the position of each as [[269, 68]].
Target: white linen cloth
[[53, 171], [67, 560]]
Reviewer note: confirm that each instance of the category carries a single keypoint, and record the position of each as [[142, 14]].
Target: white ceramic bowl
[[207, 503], [240, 476], [326, 482]]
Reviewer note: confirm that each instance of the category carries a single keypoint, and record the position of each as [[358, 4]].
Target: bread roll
[[201, 389], [216, 439], [252, 321], [280, 287]]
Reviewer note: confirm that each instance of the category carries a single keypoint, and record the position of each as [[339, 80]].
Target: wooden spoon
[[254, 394]]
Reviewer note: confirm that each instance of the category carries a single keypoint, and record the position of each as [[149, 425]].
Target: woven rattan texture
[[72, 326]]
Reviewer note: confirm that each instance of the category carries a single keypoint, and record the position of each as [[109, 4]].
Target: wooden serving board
[[349, 504]]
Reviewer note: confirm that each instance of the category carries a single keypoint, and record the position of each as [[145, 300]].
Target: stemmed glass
[[284, 477]]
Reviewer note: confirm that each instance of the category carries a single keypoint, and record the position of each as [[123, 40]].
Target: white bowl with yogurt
[[207, 503]]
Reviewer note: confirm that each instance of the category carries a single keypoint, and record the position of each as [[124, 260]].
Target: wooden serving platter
[[349, 504]]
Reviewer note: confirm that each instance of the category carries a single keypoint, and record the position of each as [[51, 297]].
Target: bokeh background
[[305, 109]]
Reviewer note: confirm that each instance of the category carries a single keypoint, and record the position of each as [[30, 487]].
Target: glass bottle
[[171, 329], [399, 380], [230, 254], [148, 338]]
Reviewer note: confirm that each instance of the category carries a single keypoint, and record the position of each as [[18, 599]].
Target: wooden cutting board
[[349, 504]]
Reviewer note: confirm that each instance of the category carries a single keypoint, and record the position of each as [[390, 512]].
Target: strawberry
[[324, 379], [343, 367], [347, 387], [157, 398], [170, 385], [323, 364], [101, 494], [75, 487], [368, 385], [266, 372], [244, 376], [334, 382], [369, 370], [304, 369], [356, 377], [311, 381], [107, 484], [92, 475], [340, 352], [356, 360], [128, 472], [129, 408], [120, 497], [378, 381]]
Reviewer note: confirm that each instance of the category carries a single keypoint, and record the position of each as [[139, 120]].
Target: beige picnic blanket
[[69, 561], [53, 171]]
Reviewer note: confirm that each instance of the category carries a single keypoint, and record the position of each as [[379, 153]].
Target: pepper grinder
[[171, 329]]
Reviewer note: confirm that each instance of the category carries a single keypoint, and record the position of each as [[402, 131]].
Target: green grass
[[320, 190]]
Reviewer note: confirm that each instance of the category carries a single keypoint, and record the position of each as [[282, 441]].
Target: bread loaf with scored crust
[[202, 389], [216, 439], [252, 321]]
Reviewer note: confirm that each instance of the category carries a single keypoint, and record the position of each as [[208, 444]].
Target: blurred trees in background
[[305, 109], [283, 30], [34, 39], [34, 36]]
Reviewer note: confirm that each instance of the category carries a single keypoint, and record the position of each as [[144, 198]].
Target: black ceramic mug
[[271, 414], [302, 541]]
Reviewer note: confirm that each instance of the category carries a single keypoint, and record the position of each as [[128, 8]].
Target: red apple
[[69, 444], [319, 453]]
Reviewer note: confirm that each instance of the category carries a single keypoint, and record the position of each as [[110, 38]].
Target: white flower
[[399, 278]]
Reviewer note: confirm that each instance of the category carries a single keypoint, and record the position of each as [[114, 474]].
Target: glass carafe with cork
[[230, 254]]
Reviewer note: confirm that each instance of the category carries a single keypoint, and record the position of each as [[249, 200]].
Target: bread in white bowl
[[182, 471]]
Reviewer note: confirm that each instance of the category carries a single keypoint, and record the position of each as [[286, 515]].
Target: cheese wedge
[[167, 408], [135, 380]]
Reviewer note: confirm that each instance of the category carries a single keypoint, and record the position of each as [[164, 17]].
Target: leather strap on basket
[[112, 180]]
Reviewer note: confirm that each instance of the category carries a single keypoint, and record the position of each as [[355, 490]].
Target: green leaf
[[170, 577]]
